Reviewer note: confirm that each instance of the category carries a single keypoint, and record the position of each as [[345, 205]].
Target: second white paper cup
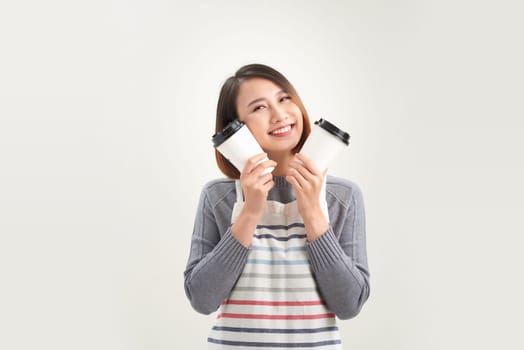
[[324, 143]]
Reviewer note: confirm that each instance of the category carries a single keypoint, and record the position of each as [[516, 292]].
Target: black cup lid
[[229, 130], [332, 129]]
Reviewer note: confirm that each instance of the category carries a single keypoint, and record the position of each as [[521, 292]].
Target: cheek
[[297, 112], [255, 127], [299, 117]]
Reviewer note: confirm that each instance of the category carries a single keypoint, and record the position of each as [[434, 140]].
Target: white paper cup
[[324, 143], [237, 144]]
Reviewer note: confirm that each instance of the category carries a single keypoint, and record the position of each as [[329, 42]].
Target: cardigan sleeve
[[215, 261], [339, 263]]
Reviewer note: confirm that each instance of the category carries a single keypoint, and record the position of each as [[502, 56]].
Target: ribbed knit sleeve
[[211, 280], [325, 251], [339, 259], [216, 259], [230, 254]]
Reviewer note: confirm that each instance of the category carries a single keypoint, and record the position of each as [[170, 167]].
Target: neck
[[282, 160]]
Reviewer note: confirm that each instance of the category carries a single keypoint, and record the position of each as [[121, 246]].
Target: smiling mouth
[[283, 130]]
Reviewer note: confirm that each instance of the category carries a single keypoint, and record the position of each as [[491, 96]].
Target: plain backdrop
[[106, 113]]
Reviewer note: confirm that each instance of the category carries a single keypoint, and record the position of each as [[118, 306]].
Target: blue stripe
[[286, 238], [278, 249], [276, 330], [274, 345], [278, 262], [281, 227]]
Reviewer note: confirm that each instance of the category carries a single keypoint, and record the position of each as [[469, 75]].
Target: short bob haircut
[[227, 111]]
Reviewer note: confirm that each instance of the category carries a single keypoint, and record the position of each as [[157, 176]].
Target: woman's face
[[270, 114]]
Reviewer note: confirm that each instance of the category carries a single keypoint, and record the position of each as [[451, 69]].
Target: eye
[[258, 108], [285, 98]]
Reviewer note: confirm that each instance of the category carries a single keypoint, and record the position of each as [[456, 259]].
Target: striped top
[[275, 303]]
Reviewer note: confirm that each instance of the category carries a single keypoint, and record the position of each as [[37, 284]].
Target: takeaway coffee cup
[[324, 143], [237, 144]]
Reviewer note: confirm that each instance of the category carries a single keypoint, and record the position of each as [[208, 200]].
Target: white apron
[[275, 304]]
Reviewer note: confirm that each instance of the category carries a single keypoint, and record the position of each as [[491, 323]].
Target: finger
[[301, 168], [297, 176], [308, 163], [253, 161], [269, 185], [265, 179], [259, 168], [313, 179], [294, 183]]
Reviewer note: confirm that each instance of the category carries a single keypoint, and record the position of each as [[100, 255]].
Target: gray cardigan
[[338, 257]]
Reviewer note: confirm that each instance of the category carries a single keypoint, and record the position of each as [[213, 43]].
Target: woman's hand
[[307, 182], [256, 188]]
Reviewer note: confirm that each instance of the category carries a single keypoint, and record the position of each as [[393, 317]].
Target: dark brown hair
[[227, 111]]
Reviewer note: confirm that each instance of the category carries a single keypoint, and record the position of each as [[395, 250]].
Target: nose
[[278, 115]]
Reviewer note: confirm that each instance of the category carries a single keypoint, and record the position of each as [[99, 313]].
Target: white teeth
[[282, 130]]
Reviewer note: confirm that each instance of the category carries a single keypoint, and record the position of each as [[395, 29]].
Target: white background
[[107, 108]]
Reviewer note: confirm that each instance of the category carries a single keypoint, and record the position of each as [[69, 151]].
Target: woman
[[280, 260]]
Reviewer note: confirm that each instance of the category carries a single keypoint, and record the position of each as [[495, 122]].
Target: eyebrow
[[263, 98]]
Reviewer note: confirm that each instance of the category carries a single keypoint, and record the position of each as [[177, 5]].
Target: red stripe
[[274, 303], [276, 317]]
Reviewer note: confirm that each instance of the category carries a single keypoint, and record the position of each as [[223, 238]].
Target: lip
[[292, 127]]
